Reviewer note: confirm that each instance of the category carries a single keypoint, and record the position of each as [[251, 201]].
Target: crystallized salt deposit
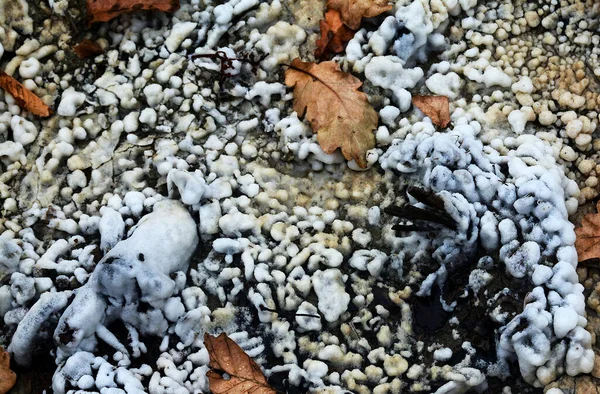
[[160, 245], [292, 237], [179, 32], [531, 180], [70, 101], [333, 300], [388, 72]]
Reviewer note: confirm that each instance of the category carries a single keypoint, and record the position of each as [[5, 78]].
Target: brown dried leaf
[[105, 10], [436, 107], [87, 48], [334, 35], [338, 112], [587, 242], [23, 97], [244, 373], [7, 377], [352, 11]]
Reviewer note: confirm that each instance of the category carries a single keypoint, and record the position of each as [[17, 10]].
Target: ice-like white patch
[[529, 198], [333, 299], [70, 101], [135, 270], [388, 72]]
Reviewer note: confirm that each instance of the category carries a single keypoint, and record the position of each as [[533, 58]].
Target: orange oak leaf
[[226, 357], [24, 97], [338, 112], [436, 107], [334, 35], [87, 48], [587, 240], [352, 11], [7, 377], [105, 10]]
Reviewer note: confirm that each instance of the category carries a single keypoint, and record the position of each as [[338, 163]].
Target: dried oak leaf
[[105, 10], [334, 35], [7, 377], [352, 11], [587, 240], [24, 97], [87, 48], [338, 112], [244, 373], [436, 107]]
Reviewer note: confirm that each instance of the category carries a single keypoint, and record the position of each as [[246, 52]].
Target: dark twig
[[264, 308], [406, 228], [426, 197], [227, 62], [413, 213]]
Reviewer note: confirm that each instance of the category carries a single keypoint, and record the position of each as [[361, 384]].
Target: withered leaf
[[87, 48], [7, 377], [105, 10], [334, 35], [436, 107], [352, 11], [24, 97], [587, 240], [244, 373], [338, 112]]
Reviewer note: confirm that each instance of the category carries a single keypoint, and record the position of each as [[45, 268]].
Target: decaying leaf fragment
[[105, 10], [587, 242], [87, 48], [338, 112], [245, 376], [24, 97], [352, 11], [7, 377], [436, 107], [334, 35]]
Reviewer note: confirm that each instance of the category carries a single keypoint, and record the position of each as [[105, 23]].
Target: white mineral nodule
[[322, 273]]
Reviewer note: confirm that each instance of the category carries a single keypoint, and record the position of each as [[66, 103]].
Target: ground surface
[[298, 260]]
